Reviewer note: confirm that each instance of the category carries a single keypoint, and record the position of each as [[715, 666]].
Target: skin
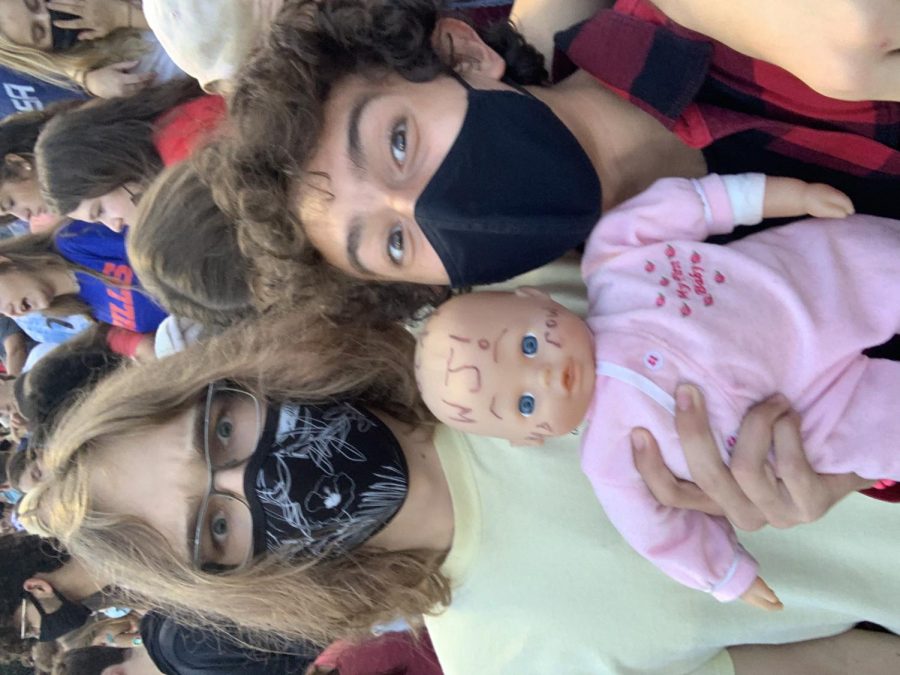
[[23, 292], [405, 132], [72, 580], [166, 492], [115, 209], [21, 196], [473, 367], [848, 49], [26, 22], [756, 494], [137, 662]]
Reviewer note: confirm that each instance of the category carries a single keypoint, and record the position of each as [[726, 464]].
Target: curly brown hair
[[277, 110]]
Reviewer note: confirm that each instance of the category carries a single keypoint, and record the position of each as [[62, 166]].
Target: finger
[[137, 78], [662, 483], [750, 457], [69, 6], [123, 66], [74, 24], [704, 462], [802, 486], [89, 35]]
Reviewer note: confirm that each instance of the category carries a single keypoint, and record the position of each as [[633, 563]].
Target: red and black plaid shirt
[[745, 114]]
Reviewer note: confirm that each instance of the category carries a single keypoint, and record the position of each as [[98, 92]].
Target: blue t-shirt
[[21, 93], [52, 329], [98, 248]]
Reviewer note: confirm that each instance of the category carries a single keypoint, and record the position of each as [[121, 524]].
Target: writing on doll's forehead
[[467, 371]]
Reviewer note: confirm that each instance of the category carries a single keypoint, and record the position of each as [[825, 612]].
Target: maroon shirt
[[743, 113]]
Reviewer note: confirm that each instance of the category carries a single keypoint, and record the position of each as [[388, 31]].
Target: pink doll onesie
[[789, 309]]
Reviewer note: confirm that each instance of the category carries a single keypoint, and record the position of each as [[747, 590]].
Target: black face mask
[[63, 38], [515, 192], [68, 617], [323, 479]]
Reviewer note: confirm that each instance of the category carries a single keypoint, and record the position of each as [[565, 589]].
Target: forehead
[[152, 475]]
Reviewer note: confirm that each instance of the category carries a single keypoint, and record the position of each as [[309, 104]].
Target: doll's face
[[512, 365]]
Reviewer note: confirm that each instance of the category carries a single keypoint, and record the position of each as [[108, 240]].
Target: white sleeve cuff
[[746, 192]]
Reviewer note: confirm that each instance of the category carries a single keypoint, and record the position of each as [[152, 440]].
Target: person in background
[[140, 135], [40, 40], [14, 346], [20, 193], [81, 269]]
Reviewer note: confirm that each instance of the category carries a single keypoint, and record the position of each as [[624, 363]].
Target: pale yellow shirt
[[545, 584]]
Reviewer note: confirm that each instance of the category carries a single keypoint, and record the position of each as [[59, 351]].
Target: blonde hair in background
[[61, 68], [279, 358]]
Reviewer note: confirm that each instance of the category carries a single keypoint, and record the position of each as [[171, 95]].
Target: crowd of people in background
[[380, 337]]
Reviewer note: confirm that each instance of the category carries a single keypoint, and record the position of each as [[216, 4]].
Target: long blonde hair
[[58, 68], [280, 359]]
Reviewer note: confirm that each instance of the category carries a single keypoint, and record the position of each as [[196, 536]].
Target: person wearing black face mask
[[412, 179]]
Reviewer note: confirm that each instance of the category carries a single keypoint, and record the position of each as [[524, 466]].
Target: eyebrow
[[354, 236], [193, 502], [354, 144]]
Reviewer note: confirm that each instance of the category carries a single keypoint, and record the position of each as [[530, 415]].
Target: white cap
[[210, 39], [175, 334]]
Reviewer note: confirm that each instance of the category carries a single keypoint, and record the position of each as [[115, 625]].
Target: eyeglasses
[[232, 423], [24, 633]]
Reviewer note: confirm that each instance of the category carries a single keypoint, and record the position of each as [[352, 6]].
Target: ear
[[39, 588], [19, 165], [460, 46], [118, 669], [532, 292]]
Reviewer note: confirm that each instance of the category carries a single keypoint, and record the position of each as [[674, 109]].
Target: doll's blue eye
[[526, 404], [529, 345]]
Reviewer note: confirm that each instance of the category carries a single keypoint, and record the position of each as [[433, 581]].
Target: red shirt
[[187, 126]]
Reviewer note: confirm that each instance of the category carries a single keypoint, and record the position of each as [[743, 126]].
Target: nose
[[401, 203], [231, 479], [114, 224]]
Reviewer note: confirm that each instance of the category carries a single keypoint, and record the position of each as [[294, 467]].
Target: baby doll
[[789, 309]]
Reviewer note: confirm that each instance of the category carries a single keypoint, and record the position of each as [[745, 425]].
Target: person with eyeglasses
[[283, 476], [120, 146]]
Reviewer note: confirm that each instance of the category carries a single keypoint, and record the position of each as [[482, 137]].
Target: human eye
[[529, 345], [224, 430], [395, 245], [398, 142], [526, 405], [218, 528]]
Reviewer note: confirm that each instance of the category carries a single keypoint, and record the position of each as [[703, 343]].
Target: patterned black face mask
[[323, 479]]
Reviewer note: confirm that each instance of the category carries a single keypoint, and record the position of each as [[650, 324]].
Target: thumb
[[124, 66]]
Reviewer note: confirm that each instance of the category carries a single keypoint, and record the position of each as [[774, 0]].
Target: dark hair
[[100, 146], [61, 377], [17, 462], [88, 660], [23, 557], [19, 134], [278, 108]]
